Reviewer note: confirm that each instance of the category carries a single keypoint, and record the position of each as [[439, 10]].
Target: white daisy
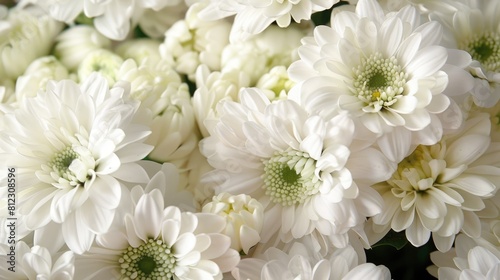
[[303, 263], [211, 88], [192, 41], [24, 36], [438, 189], [76, 42], [72, 144], [473, 26], [299, 166], [36, 76], [160, 243], [161, 90], [466, 261], [36, 263], [244, 218], [388, 71], [252, 17]]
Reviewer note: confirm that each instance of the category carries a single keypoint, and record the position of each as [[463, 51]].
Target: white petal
[[427, 61]]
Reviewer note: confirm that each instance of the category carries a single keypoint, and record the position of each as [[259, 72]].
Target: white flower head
[[253, 17], [295, 164], [36, 76], [467, 261], [72, 144], [472, 26], [161, 90], [387, 71], [277, 82], [24, 36], [102, 61], [273, 47], [36, 263], [244, 218], [438, 189], [300, 262], [211, 88], [192, 41], [139, 50], [158, 242], [76, 42]]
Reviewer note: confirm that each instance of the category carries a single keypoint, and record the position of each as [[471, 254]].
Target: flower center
[[152, 260], [289, 177], [485, 48], [62, 160], [379, 82]]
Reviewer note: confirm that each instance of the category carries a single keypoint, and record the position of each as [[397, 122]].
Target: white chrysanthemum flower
[[438, 189], [244, 218], [139, 50], [76, 42], [299, 166], [256, 57], [301, 263], [157, 242], [211, 88], [254, 17], [102, 61], [36, 76], [473, 26], [277, 81], [24, 36], [161, 90], [466, 261], [72, 144], [388, 71], [192, 41], [36, 263]]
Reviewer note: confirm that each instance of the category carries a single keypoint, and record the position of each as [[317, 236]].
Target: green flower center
[[378, 81], [289, 178], [152, 260], [485, 48], [62, 160]]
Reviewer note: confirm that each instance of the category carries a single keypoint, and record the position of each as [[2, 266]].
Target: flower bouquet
[[265, 139]]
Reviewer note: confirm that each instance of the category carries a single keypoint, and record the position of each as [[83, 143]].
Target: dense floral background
[[263, 139]]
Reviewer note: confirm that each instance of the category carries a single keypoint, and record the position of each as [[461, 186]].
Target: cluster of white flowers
[[228, 139]]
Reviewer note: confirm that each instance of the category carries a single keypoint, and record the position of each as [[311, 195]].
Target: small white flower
[[76, 42], [244, 218], [191, 42], [37, 263], [158, 242], [277, 81], [72, 144], [24, 36], [139, 50], [36, 76], [161, 90], [101, 61], [211, 88], [438, 189], [466, 261], [473, 26], [302, 263], [256, 57]]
